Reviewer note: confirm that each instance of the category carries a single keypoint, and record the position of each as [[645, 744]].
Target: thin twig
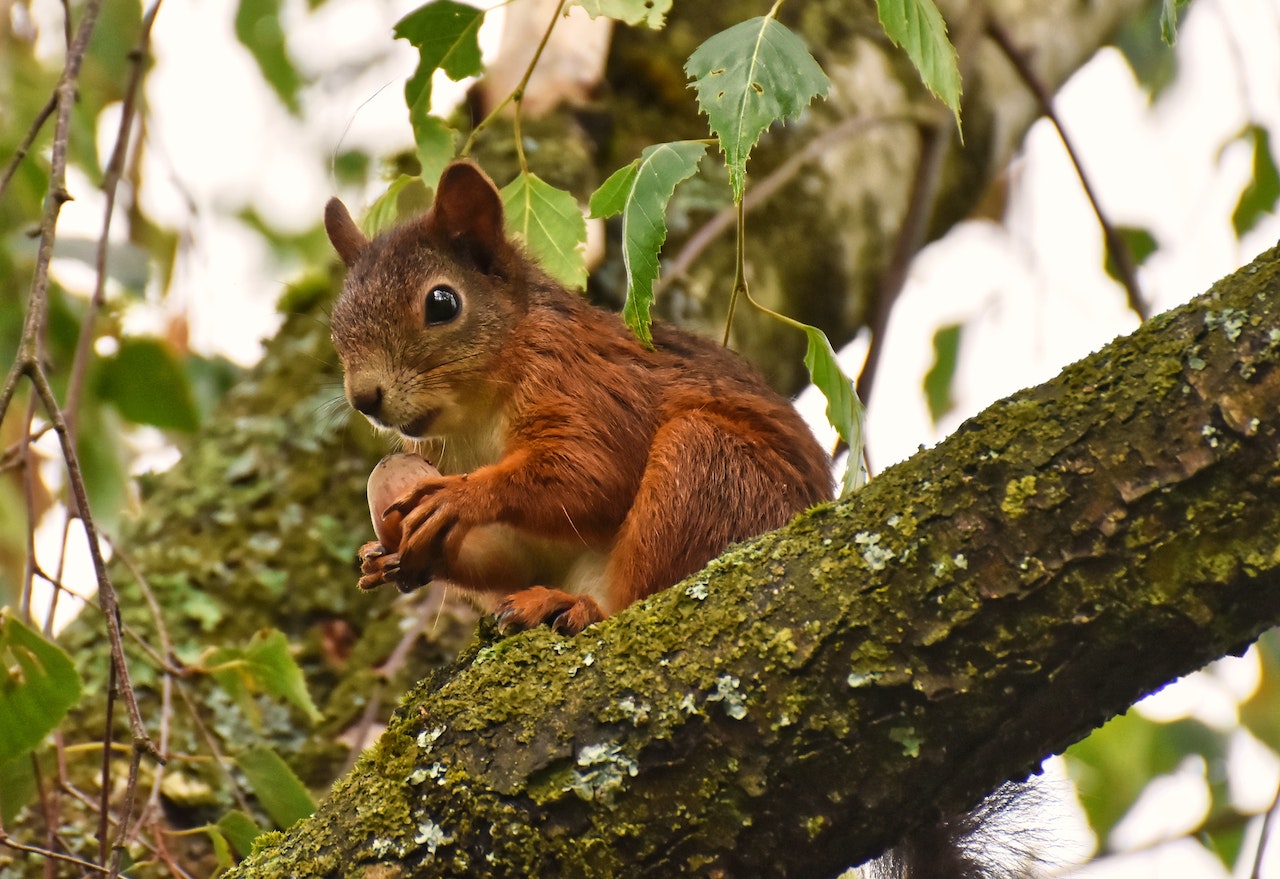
[[1125, 267], [9, 842], [25, 147], [766, 187], [110, 184], [1268, 826]]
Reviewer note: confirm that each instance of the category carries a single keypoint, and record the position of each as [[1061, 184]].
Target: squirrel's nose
[[366, 400]]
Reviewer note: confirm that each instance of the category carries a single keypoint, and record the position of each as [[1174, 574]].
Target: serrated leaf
[[917, 27], [407, 195], [938, 380], [147, 385], [264, 665], [661, 168], [652, 13], [1261, 194], [240, 830], [259, 29], [445, 35], [844, 409], [38, 685], [282, 796], [551, 225], [748, 77], [611, 197], [1140, 243]]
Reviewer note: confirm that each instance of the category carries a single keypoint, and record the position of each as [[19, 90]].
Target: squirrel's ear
[[468, 212], [345, 235]]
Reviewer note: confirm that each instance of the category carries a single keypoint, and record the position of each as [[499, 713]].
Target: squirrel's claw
[[537, 605]]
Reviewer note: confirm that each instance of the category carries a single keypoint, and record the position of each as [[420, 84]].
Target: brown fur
[[572, 450]]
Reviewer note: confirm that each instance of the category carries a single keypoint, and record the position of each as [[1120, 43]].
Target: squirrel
[[581, 471]]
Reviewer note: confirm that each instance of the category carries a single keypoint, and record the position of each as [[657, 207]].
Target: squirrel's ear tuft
[[468, 214], [345, 235]]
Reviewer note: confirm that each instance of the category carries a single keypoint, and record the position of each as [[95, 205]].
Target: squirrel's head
[[426, 308]]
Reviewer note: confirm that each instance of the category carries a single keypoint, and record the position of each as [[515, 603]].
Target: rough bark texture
[[815, 693]]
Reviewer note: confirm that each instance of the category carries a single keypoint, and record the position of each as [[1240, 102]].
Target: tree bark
[[816, 693]]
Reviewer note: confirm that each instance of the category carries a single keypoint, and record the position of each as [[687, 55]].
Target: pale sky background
[[1031, 293]]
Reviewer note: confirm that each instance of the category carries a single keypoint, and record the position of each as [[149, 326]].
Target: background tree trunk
[[819, 691]]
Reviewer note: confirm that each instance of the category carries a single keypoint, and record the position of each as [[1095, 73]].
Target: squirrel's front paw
[[379, 565], [538, 605]]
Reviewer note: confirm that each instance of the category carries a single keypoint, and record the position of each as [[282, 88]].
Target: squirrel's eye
[[443, 305]]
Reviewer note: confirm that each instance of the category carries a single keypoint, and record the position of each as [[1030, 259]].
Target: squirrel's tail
[[994, 841]]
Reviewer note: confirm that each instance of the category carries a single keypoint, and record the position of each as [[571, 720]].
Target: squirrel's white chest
[[474, 443]]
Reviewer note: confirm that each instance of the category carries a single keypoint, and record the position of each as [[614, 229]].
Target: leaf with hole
[[661, 168], [551, 225], [917, 27], [281, 794], [651, 13], [748, 77], [38, 685]]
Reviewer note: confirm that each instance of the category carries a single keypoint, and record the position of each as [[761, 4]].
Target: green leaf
[[405, 197], [221, 848], [611, 197], [938, 380], [1153, 63], [1140, 243], [1260, 196], [747, 78], [279, 791], [147, 384], [240, 830], [917, 27], [17, 787], [38, 685], [436, 143], [258, 28], [652, 13], [1260, 713], [1113, 765], [444, 33], [551, 225], [264, 665], [844, 409], [661, 168], [1169, 10]]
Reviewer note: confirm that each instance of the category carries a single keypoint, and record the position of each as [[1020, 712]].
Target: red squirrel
[[581, 471]]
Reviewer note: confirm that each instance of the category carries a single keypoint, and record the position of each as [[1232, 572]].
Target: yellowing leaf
[[652, 13]]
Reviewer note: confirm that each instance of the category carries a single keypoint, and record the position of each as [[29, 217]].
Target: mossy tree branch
[[813, 695]]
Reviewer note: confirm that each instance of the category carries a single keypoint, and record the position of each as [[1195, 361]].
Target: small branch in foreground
[[1125, 267]]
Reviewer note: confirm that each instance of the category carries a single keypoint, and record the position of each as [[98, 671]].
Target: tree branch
[[817, 693]]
